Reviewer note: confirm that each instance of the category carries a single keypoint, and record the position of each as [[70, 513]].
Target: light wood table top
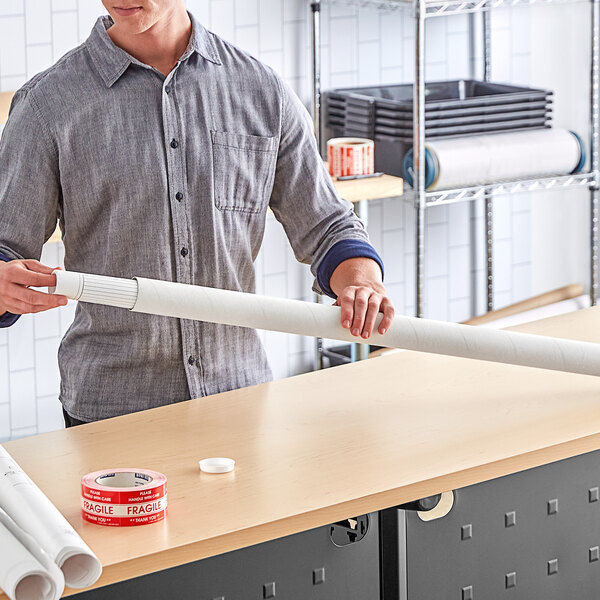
[[56, 236], [5, 100], [320, 447]]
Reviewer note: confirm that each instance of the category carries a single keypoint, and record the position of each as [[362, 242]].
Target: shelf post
[[594, 149], [487, 44], [316, 56], [488, 199], [419, 151], [474, 74]]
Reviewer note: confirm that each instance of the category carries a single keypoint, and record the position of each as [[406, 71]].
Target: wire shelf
[[447, 7], [379, 4], [561, 182]]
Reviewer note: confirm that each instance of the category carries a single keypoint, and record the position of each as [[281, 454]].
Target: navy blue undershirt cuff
[[340, 252], [7, 319]]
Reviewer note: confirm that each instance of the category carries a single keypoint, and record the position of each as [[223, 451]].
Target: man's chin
[[130, 26]]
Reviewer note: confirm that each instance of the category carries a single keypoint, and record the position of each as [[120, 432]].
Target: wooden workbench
[[320, 447], [5, 100]]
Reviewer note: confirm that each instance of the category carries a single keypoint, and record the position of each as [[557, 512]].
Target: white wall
[[560, 60], [360, 47]]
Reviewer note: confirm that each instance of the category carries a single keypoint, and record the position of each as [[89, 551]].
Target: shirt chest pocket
[[243, 171]]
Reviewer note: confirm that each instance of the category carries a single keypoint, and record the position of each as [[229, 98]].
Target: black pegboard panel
[[305, 566], [528, 536]]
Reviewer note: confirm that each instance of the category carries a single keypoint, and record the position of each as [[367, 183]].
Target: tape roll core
[[126, 479]]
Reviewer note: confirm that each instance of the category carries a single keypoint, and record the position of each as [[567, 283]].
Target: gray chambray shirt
[[168, 178]]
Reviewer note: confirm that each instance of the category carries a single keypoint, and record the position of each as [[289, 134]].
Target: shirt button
[[184, 252], [191, 360], [179, 196], [168, 89], [174, 143]]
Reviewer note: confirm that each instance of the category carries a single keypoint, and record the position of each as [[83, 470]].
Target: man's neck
[[160, 46]]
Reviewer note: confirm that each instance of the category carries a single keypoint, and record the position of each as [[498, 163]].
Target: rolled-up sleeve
[[304, 199], [29, 181]]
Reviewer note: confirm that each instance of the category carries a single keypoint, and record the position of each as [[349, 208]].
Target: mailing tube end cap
[[217, 465], [67, 284]]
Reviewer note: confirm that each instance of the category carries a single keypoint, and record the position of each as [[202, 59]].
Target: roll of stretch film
[[123, 497], [351, 156], [484, 159]]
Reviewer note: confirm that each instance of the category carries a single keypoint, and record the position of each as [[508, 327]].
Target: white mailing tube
[[35, 515], [182, 301], [26, 572]]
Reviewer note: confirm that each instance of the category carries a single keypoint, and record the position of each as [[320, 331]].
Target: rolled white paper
[[198, 303], [33, 512], [53, 575], [22, 576]]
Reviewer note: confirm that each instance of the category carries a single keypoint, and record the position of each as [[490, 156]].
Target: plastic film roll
[[124, 497], [350, 156], [485, 159], [317, 320]]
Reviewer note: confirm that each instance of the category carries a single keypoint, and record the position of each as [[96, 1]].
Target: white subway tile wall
[[359, 47]]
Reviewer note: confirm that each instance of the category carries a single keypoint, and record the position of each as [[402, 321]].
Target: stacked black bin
[[452, 109]]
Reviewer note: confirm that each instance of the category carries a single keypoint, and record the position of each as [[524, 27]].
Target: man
[[160, 146]]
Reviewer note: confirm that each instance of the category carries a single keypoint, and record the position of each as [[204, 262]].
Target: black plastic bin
[[447, 103], [452, 109], [439, 96]]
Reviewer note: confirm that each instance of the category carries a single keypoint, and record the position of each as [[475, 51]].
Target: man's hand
[[362, 296], [16, 277]]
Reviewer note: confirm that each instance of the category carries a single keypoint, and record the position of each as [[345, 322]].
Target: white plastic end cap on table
[[217, 465]]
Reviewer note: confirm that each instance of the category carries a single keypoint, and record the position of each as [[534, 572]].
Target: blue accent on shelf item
[[7, 319], [340, 252], [430, 168], [583, 158]]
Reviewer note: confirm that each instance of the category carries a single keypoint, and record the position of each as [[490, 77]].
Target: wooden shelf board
[[375, 188]]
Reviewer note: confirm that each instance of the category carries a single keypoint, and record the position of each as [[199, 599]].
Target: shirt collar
[[112, 61]]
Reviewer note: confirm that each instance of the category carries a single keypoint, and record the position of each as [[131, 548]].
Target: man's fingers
[[16, 279], [361, 305], [29, 277], [387, 308], [346, 302], [372, 312], [35, 298], [18, 307], [37, 266], [361, 302]]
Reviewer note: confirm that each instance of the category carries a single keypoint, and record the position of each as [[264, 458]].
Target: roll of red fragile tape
[[123, 497], [124, 514], [350, 156]]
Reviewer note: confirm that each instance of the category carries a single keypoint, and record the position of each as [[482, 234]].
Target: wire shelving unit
[[421, 10]]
